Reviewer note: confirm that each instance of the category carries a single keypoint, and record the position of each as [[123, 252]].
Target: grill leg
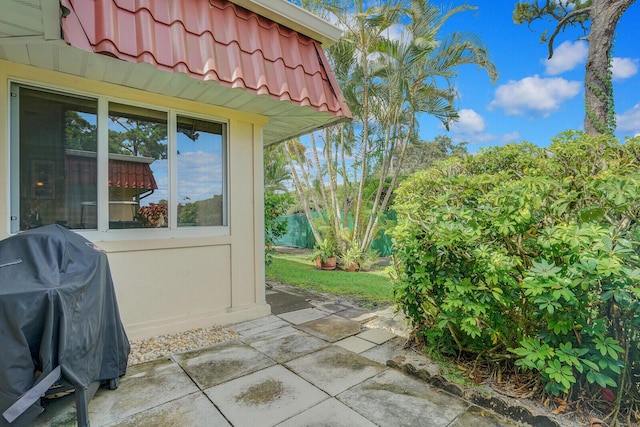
[[83, 396]]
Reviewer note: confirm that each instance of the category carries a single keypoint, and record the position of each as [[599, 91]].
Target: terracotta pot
[[330, 264], [351, 267]]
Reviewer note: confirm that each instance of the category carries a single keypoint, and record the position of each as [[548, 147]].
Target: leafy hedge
[[530, 254]]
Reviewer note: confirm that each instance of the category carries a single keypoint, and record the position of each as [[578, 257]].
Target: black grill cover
[[57, 307]]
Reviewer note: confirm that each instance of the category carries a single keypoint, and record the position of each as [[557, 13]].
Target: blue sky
[[533, 99]]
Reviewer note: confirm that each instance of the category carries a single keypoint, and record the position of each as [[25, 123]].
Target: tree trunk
[[605, 15]]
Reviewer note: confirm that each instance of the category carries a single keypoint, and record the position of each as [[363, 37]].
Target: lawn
[[368, 288]]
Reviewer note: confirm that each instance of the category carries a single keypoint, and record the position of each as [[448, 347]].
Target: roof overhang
[[295, 105]]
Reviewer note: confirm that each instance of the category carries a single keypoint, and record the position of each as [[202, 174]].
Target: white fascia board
[[51, 15], [294, 17]]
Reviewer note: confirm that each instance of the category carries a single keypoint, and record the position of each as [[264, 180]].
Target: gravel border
[[164, 345]]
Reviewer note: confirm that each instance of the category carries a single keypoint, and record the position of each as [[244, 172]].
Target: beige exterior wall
[[167, 281]]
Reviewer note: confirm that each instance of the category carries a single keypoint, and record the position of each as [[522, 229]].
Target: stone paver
[[282, 302], [286, 343], [193, 410], [357, 314], [334, 369], [394, 399], [303, 316], [331, 328], [258, 326], [332, 308], [355, 344], [388, 350], [145, 386], [376, 336], [329, 413], [265, 398], [222, 362]]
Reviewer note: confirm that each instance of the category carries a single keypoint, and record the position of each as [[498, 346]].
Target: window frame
[[103, 232]]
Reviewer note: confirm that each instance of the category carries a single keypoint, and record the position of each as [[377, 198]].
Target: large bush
[[530, 254]]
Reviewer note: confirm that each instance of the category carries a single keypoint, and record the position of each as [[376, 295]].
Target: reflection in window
[[57, 145], [138, 170], [200, 147], [57, 150]]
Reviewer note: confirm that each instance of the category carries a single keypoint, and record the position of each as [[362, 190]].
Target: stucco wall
[[170, 281]]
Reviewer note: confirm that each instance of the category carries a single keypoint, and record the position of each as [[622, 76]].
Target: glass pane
[[58, 169], [138, 169], [200, 173]]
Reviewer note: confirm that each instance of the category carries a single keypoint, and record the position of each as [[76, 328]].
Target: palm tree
[[388, 82], [276, 173], [411, 70]]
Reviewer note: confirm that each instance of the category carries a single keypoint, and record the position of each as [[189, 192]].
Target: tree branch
[[562, 23]]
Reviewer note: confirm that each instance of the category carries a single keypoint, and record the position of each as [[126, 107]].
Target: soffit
[[26, 21]]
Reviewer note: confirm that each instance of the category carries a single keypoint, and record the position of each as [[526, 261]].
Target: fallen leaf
[[595, 422], [559, 409], [608, 395]]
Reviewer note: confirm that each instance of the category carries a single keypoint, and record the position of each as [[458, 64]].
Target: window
[[200, 151], [138, 170], [151, 178]]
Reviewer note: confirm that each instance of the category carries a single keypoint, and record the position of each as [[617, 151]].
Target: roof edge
[[295, 18]]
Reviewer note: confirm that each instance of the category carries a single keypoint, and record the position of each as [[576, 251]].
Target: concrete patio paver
[[394, 399], [376, 336], [193, 410], [355, 344], [334, 369], [145, 386], [258, 326], [331, 328], [383, 352], [303, 316], [285, 343], [332, 307], [282, 302], [357, 314], [222, 362], [330, 413], [265, 398]]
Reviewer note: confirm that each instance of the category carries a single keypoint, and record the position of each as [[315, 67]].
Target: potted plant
[[367, 260], [349, 259], [324, 254]]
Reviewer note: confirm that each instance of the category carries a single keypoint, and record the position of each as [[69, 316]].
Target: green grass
[[368, 288]]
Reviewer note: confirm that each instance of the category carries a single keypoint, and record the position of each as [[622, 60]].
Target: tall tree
[[388, 82], [423, 154], [598, 20]]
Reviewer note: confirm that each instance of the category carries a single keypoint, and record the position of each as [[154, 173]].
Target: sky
[[533, 99]]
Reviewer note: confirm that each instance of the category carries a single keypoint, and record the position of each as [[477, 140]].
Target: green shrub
[[530, 253], [275, 207]]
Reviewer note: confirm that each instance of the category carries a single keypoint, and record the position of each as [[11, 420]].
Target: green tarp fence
[[299, 235]]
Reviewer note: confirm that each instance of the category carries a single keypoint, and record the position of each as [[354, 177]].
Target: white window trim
[[103, 233]]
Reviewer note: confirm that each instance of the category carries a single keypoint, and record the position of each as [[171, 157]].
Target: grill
[[60, 327]]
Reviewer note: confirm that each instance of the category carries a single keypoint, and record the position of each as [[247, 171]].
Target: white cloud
[[199, 175], [511, 137], [624, 68], [534, 95], [469, 122], [629, 121], [566, 57]]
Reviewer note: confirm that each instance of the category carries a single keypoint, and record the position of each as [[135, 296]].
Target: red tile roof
[[82, 169], [209, 40]]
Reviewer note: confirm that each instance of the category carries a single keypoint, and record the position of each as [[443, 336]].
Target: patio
[[315, 363]]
